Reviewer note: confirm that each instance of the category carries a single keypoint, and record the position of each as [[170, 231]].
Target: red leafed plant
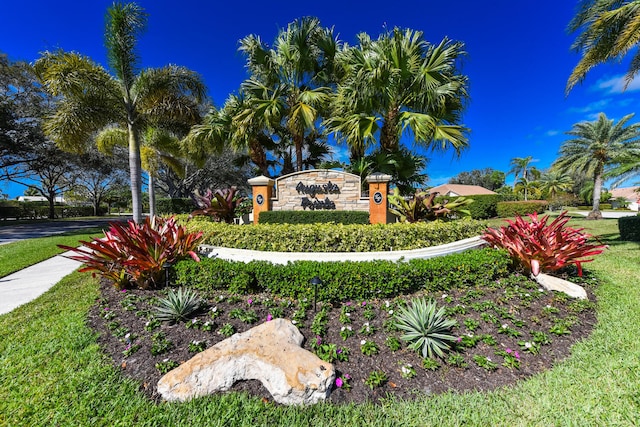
[[541, 247], [221, 204], [133, 254]]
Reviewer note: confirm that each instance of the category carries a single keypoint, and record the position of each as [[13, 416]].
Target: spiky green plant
[[178, 305], [426, 328]]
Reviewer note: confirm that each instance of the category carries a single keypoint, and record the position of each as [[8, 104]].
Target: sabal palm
[[608, 31], [92, 99], [597, 146], [288, 86], [400, 83]]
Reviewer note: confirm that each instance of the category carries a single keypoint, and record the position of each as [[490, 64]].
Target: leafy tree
[[91, 99], [608, 30], [397, 83], [595, 148], [406, 169], [488, 178]]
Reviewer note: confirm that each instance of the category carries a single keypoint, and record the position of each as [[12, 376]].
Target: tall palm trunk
[[135, 168], [298, 140], [259, 156], [597, 192], [152, 195]]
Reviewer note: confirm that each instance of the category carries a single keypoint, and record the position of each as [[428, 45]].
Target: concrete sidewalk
[[28, 284]]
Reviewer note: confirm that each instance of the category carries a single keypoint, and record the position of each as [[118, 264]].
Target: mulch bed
[[518, 304]]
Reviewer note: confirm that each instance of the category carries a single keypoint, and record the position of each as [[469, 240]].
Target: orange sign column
[[378, 190], [262, 188]]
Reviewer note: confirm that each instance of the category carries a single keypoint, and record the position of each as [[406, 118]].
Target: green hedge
[[629, 227], [314, 217], [484, 206], [37, 211], [343, 281], [589, 208], [335, 237], [174, 206], [511, 209]]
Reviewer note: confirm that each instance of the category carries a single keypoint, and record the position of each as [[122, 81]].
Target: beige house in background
[[630, 194], [460, 190]]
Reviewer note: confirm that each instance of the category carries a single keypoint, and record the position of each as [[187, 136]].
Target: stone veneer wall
[[348, 199]]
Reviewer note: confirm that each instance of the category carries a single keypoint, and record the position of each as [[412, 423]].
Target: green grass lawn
[[18, 255], [52, 372]]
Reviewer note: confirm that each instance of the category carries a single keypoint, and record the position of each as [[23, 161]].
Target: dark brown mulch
[[518, 304]]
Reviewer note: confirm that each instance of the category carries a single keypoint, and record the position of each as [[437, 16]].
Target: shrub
[[422, 207], [174, 206], [511, 209], [221, 204], [314, 217], [426, 329], [134, 254], [536, 245], [629, 227], [484, 206], [347, 280], [336, 238]]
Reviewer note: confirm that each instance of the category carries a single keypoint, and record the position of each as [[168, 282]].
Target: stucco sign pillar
[[262, 189], [378, 191]]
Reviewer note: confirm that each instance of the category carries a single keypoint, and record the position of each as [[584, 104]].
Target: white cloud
[[616, 84], [552, 132], [595, 106]]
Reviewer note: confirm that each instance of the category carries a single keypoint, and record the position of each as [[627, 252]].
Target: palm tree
[[608, 31], [289, 85], [520, 167], [91, 99], [399, 83], [553, 182], [596, 147]]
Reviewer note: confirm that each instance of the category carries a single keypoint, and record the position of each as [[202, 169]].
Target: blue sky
[[518, 58]]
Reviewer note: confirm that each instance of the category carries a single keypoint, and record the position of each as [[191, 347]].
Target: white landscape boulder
[[270, 353]]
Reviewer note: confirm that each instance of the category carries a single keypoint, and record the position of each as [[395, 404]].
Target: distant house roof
[[460, 190], [628, 193]]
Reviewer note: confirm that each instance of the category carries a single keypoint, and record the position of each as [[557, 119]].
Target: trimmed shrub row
[[335, 238], [174, 206], [484, 206], [343, 281], [629, 227], [589, 208], [511, 209], [314, 217], [39, 211]]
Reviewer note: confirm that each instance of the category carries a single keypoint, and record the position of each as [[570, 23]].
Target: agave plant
[[178, 305], [423, 207], [221, 204], [134, 254], [539, 247], [426, 328]]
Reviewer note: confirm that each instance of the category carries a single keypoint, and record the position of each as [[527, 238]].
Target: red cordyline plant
[[132, 254], [221, 204], [541, 247]]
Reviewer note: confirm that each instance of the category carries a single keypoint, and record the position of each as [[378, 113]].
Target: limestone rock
[[552, 283], [270, 353]]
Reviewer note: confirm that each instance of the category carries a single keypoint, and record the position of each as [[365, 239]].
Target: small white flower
[[527, 344], [366, 324], [348, 314], [206, 323], [147, 324], [294, 321], [548, 306], [505, 326], [214, 309], [349, 328], [540, 290], [390, 312], [126, 337], [194, 321], [444, 296], [470, 335], [488, 359], [363, 342], [387, 304], [527, 295], [165, 360], [343, 328]]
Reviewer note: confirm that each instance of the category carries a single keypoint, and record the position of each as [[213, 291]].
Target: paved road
[[12, 233], [607, 214]]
